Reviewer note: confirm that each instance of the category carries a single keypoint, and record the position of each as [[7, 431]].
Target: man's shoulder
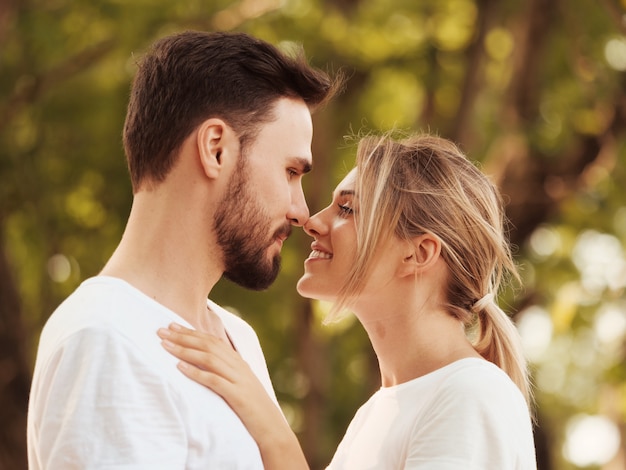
[[80, 308], [94, 302], [108, 307]]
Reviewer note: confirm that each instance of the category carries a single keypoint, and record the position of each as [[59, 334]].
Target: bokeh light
[[590, 440]]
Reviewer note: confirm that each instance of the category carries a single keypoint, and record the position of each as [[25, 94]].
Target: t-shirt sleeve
[[474, 423], [98, 405]]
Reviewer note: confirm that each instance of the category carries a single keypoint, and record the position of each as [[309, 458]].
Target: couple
[[218, 136]]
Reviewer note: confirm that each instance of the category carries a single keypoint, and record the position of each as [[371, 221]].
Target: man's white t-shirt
[[107, 395], [467, 415]]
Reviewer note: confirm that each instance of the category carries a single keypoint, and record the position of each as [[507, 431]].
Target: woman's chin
[[303, 289], [309, 289]]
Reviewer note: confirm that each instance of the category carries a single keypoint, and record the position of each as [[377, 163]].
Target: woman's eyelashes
[[345, 210]]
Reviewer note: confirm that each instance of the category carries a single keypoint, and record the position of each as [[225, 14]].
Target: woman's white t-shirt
[[467, 415]]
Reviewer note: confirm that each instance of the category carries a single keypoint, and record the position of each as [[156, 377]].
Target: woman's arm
[[213, 363]]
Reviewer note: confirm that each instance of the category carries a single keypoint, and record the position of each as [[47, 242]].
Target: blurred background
[[533, 90]]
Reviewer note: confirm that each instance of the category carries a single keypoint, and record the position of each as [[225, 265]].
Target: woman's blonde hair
[[425, 184]]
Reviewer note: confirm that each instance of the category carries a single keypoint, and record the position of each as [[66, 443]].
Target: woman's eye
[[344, 210]]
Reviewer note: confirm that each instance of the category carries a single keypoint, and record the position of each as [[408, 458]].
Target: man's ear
[[214, 140], [420, 254]]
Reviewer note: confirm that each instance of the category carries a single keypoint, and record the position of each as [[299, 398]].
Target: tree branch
[[29, 89]]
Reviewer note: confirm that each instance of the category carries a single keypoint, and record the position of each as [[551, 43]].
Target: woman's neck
[[412, 340]]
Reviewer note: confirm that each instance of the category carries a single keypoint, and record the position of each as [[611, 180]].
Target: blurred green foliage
[[533, 90]]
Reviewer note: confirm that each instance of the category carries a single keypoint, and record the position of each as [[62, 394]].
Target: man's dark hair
[[189, 77]]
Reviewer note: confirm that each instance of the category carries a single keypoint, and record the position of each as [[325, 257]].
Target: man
[[217, 137]]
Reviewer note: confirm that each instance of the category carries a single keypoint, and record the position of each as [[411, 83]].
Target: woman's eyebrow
[[346, 192]]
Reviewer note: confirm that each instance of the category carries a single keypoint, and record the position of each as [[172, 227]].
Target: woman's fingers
[[189, 338], [215, 382], [206, 360], [233, 380], [204, 351]]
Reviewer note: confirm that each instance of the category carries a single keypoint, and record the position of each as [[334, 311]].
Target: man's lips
[[282, 235]]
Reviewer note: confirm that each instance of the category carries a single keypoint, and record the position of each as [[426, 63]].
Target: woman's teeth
[[320, 254]]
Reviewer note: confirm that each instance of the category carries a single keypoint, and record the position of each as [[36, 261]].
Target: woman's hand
[[213, 363]]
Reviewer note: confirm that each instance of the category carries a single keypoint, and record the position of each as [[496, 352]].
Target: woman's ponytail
[[498, 341]]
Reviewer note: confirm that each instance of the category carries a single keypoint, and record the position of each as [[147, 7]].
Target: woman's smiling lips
[[317, 252]]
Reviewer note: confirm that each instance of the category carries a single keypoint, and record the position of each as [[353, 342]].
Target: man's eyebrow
[[304, 164]]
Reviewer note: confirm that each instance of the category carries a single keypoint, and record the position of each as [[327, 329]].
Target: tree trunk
[[14, 372]]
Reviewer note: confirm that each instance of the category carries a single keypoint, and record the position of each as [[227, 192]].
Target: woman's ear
[[214, 138], [421, 253]]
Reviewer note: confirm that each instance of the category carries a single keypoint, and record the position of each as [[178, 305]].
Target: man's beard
[[242, 229]]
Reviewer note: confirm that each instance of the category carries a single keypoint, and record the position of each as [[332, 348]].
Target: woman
[[413, 243]]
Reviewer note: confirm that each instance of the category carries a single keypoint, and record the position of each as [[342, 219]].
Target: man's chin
[[253, 278]]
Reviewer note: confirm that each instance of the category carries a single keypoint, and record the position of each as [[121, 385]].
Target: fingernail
[[164, 332], [175, 326], [183, 365], [167, 344]]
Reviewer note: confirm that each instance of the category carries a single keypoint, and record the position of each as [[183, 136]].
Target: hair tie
[[482, 303]]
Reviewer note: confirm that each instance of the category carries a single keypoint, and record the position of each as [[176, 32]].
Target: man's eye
[[344, 210], [291, 172]]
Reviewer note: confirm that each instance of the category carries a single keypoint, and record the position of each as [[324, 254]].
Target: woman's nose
[[315, 226]]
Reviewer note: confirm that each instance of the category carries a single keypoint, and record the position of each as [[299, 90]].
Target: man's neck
[[168, 257]]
